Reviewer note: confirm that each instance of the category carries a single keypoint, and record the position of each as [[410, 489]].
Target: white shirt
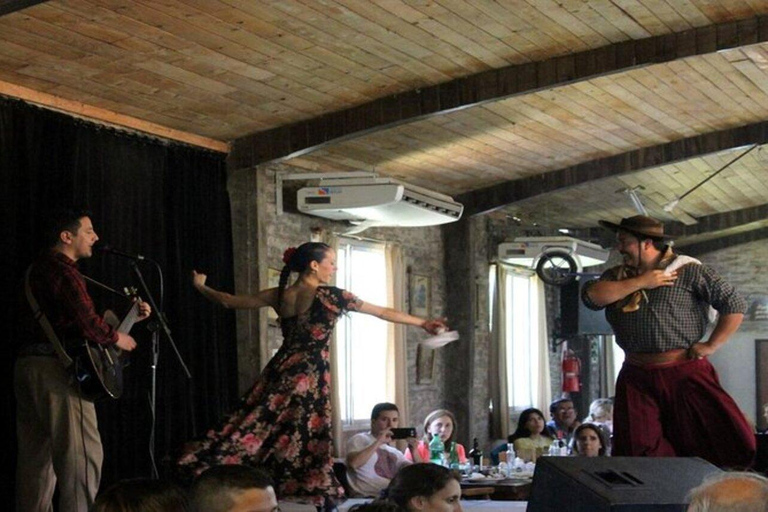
[[373, 477]]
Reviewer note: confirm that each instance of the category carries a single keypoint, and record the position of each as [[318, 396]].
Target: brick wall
[[746, 267]]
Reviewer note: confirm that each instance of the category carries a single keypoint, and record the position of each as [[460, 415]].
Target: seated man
[[233, 488], [564, 421], [371, 461], [730, 492]]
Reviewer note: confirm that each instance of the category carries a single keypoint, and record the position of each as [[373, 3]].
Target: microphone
[[111, 250]]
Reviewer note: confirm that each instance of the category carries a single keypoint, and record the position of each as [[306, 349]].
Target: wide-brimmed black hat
[[641, 225]]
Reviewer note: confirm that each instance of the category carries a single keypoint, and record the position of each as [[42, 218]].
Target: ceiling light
[[671, 205]]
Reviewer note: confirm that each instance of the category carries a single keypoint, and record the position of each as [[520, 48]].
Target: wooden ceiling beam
[[725, 242], [719, 222], [719, 240], [494, 85], [9, 6], [497, 196], [707, 224]]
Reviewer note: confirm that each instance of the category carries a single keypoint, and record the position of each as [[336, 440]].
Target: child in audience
[[441, 423]]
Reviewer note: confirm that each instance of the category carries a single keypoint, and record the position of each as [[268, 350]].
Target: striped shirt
[[668, 317]]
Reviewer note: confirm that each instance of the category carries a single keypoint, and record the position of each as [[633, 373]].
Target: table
[[478, 505], [494, 506], [509, 489]]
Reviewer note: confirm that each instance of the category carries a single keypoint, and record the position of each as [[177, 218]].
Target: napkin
[[441, 339]]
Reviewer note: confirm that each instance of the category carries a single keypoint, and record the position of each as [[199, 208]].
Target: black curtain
[[168, 202]]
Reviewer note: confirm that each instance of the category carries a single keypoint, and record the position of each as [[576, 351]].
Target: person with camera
[[371, 459]]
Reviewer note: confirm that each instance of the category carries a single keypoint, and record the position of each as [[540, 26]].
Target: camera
[[403, 433]]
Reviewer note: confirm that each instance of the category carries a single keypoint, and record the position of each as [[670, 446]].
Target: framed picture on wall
[[425, 364], [273, 280], [420, 295], [761, 389]]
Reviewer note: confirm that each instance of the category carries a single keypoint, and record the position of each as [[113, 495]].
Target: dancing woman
[[283, 422]]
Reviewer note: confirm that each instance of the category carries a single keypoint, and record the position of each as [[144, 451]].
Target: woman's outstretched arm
[[262, 299], [432, 326]]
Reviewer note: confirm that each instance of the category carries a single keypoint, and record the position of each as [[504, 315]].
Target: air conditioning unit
[[526, 251], [375, 201]]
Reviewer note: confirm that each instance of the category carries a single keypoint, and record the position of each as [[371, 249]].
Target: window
[[361, 340], [521, 345], [615, 359], [522, 340]]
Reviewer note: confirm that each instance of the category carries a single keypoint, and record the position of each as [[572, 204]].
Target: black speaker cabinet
[[761, 459], [602, 484], [576, 318]]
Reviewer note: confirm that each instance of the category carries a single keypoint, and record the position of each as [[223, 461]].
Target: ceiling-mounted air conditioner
[[525, 251], [375, 201], [557, 259]]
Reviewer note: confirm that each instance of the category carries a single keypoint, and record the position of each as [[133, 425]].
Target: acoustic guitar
[[99, 368]]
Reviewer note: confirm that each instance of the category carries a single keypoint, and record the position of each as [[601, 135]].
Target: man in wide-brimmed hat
[[669, 401]]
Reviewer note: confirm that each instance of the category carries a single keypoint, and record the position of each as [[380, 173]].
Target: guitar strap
[[44, 323]]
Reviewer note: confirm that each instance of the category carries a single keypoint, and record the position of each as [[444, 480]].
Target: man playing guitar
[[58, 436]]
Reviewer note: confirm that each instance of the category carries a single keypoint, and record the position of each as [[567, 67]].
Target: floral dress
[[283, 423]]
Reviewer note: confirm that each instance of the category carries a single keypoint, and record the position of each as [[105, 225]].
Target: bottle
[[563, 448], [554, 450], [476, 454], [436, 449], [555, 447], [510, 455], [454, 456]]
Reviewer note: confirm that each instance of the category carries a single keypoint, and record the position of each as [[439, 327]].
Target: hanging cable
[[672, 204]]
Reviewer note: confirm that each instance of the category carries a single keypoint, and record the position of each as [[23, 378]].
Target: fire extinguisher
[[571, 371]]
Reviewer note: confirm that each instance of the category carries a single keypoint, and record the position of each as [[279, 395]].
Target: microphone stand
[[155, 329]]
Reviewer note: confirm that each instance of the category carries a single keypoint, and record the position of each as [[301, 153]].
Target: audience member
[[564, 420], [601, 413], [498, 447], [234, 488], [441, 423], [765, 417], [730, 492], [376, 506], [371, 461], [142, 495], [589, 440], [425, 487], [531, 439]]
